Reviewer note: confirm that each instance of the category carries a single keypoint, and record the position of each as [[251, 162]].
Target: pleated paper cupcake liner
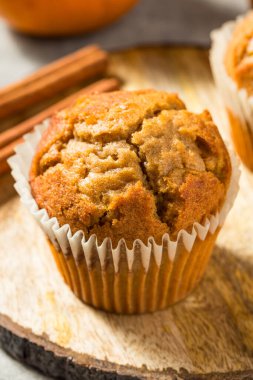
[[237, 102], [142, 279]]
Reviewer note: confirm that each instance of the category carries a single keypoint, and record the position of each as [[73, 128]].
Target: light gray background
[[151, 22]]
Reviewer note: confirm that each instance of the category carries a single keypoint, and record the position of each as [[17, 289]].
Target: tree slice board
[[207, 336]]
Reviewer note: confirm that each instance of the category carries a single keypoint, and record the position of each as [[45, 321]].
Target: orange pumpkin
[[61, 17]]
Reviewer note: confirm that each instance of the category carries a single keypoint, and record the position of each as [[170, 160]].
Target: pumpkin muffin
[[232, 64], [115, 159], [132, 165]]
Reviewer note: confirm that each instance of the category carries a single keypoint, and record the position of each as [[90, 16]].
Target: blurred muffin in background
[[238, 58], [232, 65]]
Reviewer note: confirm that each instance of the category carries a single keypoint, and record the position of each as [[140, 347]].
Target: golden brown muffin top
[[239, 54], [130, 165]]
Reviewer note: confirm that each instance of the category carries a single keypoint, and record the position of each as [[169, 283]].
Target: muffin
[[232, 65], [142, 183]]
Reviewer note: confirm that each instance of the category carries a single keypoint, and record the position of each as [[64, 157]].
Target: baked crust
[[238, 59], [130, 165]]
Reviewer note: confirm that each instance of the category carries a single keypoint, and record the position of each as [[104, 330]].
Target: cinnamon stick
[[8, 150], [12, 137], [5, 153], [47, 82]]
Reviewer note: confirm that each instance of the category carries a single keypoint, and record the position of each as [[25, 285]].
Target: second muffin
[[232, 65]]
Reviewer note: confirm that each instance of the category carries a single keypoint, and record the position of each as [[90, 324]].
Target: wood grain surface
[[207, 336]]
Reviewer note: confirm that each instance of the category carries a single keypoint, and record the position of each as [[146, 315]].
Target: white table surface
[[151, 22]]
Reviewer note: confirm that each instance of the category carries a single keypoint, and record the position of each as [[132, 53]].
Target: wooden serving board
[[207, 336]]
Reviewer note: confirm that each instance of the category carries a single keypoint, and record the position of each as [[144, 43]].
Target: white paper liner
[[62, 237], [237, 100]]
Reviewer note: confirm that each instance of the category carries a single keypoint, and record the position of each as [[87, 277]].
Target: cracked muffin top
[[130, 165], [239, 54]]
